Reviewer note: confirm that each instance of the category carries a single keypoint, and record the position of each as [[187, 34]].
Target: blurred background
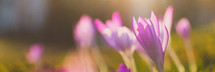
[[51, 23]]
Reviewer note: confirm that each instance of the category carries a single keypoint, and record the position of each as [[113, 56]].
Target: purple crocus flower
[[117, 36], [34, 54], [84, 28], [183, 28], [123, 68], [153, 37], [84, 34]]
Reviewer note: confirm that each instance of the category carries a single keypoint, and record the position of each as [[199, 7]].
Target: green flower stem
[[175, 59], [148, 61], [99, 58], [129, 60], [190, 55]]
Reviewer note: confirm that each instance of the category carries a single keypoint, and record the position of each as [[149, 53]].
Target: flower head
[[183, 27], [113, 24], [152, 36], [84, 28], [117, 36], [123, 68], [34, 53]]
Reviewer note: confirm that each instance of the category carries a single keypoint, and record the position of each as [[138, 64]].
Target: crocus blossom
[[34, 53], [123, 68], [183, 28], [117, 36], [84, 28], [153, 37]]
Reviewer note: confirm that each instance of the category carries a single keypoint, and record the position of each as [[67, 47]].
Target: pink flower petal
[[120, 40], [116, 19], [155, 23], [125, 39], [111, 25], [142, 21], [164, 37], [118, 37], [100, 25], [110, 38], [147, 23], [135, 27], [168, 17]]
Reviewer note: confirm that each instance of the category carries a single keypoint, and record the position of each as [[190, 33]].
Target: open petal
[[109, 24], [155, 23], [116, 19], [164, 37], [135, 27], [142, 21], [110, 38], [100, 25], [124, 39], [152, 28], [168, 17], [123, 30]]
